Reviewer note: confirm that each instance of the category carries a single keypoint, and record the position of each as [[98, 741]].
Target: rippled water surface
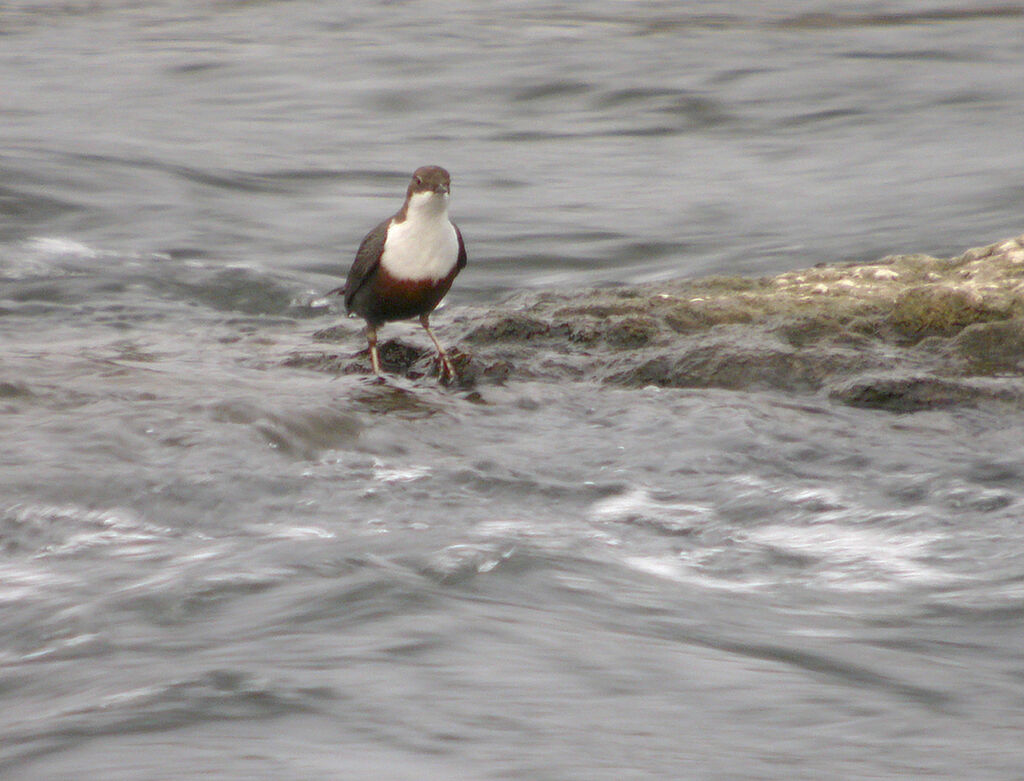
[[213, 565]]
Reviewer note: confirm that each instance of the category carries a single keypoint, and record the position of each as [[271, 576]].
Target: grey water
[[215, 566]]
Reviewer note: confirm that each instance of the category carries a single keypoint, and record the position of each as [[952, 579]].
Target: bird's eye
[[417, 180]]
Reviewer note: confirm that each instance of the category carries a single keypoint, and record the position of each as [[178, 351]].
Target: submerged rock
[[902, 333], [991, 348], [912, 393]]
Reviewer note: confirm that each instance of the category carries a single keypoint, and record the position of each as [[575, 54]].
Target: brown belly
[[385, 298]]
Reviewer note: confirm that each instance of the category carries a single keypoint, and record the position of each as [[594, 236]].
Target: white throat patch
[[424, 246]]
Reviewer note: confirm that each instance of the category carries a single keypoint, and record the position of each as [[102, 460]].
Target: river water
[[215, 566]]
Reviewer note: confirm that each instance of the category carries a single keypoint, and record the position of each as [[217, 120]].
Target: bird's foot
[[445, 370]]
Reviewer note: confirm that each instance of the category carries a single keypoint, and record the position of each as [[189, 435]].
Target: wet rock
[[739, 360], [719, 366], [14, 390], [400, 357], [905, 332], [631, 332], [992, 348], [334, 333], [801, 331], [685, 318], [939, 310], [315, 361], [900, 393], [508, 327], [913, 393]]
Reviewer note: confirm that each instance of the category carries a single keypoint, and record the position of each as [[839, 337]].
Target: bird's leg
[[446, 365], [371, 337]]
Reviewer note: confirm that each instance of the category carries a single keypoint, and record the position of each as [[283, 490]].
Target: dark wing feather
[[462, 247], [367, 259]]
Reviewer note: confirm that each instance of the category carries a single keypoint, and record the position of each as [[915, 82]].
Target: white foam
[[398, 474], [285, 532], [59, 247], [857, 558], [638, 504], [679, 570], [52, 256], [68, 529]]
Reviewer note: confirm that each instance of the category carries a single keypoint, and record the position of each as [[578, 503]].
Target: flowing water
[[215, 566]]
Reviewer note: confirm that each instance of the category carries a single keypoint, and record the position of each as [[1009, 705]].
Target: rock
[[14, 390], [992, 348], [900, 393], [334, 333], [739, 360], [902, 333], [939, 310], [631, 332], [508, 327], [913, 393]]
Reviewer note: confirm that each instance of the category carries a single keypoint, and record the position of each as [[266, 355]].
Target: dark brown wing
[[367, 259], [462, 247]]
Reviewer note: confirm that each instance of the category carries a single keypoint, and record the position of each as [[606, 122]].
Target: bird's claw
[[445, 369]]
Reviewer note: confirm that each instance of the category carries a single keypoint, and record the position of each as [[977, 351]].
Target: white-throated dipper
[[405, 265]]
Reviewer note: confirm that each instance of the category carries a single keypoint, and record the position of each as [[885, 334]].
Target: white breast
[[424, 246]]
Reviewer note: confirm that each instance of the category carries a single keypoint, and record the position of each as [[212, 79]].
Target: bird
[[406, 265]]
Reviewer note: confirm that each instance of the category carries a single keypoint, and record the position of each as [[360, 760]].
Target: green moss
[[631, 332], [938, 310]]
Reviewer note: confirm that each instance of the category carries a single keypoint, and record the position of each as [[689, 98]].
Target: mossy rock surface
[[992, 348], [902, 333], [940, 310]]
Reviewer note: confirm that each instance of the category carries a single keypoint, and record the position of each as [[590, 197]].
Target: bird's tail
[[338, 291]]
